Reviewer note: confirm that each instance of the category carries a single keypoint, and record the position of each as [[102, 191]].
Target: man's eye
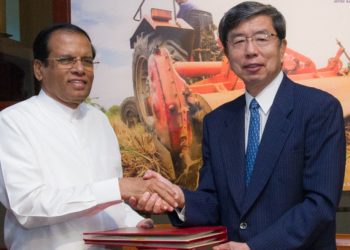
[[261, 38], [89, 61], [238, 40], [66, 60]]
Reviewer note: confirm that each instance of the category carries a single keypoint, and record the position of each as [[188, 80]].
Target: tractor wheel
[[185, 170], [143, 48], [129, 113]]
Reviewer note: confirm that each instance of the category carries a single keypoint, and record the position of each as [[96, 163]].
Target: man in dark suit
[[272, 173]]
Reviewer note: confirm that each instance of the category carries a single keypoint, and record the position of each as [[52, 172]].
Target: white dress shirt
[[59, 175], [265, 99]]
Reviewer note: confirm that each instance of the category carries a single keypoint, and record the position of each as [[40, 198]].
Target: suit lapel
[[274, 137], [232, 148]]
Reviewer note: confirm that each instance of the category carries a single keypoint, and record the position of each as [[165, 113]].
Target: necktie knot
[[253, 105]]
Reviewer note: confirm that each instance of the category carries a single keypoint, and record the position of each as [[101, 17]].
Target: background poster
[[313, 29]]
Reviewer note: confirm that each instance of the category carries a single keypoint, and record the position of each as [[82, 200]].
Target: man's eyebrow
[[235, 34], [64, 55]]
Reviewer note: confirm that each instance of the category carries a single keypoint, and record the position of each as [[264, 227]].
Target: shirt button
[[243, 225]]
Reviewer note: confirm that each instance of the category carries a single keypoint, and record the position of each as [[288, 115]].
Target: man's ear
[[38, 69], [283, 49], [225, 49]]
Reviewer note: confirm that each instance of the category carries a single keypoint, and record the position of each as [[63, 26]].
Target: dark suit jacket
[[298, 175]]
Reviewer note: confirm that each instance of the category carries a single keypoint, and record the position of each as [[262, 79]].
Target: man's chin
[[252, 80]]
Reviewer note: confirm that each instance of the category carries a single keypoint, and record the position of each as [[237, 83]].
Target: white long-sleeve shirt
[[265, 99], [59, 175]]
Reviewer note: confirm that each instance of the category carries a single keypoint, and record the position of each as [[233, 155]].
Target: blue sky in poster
[[312, 27]]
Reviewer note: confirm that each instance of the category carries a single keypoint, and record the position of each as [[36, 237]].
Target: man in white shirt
[[60, 161]]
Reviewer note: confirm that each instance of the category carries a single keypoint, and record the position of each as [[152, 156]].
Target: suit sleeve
[[324, 166], [204, 197]]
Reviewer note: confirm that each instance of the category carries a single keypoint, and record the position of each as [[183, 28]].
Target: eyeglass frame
[[87, 62], [255, 41]]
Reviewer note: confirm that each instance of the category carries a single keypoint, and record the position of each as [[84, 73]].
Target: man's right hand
[[147, 192], [158, 202]]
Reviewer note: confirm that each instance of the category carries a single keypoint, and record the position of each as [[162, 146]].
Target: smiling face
[[256, 65], [67, 86]]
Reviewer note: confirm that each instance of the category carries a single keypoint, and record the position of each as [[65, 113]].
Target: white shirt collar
[[58, 108], [267, 95]]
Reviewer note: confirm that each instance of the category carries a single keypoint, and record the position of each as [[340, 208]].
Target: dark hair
[[40, 45], [246, 10]]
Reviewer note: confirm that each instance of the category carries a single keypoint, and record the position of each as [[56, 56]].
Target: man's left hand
[[232, 245], [145, 223]]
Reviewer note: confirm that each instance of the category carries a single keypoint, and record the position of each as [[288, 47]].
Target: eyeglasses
[[260, 39], [67, 62]]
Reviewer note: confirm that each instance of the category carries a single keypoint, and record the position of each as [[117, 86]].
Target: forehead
[[67, 41], [253, 25]]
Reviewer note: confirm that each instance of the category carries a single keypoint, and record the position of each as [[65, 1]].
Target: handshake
[[152, 193]]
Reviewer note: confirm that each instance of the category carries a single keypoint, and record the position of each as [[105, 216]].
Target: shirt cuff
[[181, 213], [107, 191]]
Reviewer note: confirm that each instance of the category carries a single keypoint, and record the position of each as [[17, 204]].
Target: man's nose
[[250, 48], [78, 65]]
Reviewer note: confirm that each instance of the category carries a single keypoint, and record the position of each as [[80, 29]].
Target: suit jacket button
[[243, 225]]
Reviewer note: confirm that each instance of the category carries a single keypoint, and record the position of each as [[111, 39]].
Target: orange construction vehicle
[[180, 74]]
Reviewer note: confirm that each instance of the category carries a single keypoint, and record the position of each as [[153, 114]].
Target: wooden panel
[[5, 104], [2, 16], [343, 241], [61, 11]]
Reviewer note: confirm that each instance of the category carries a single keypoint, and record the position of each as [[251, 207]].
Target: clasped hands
[[155, 194], [152, 193]]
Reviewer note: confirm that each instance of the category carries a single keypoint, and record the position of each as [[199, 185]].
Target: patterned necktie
[[253, 139]]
